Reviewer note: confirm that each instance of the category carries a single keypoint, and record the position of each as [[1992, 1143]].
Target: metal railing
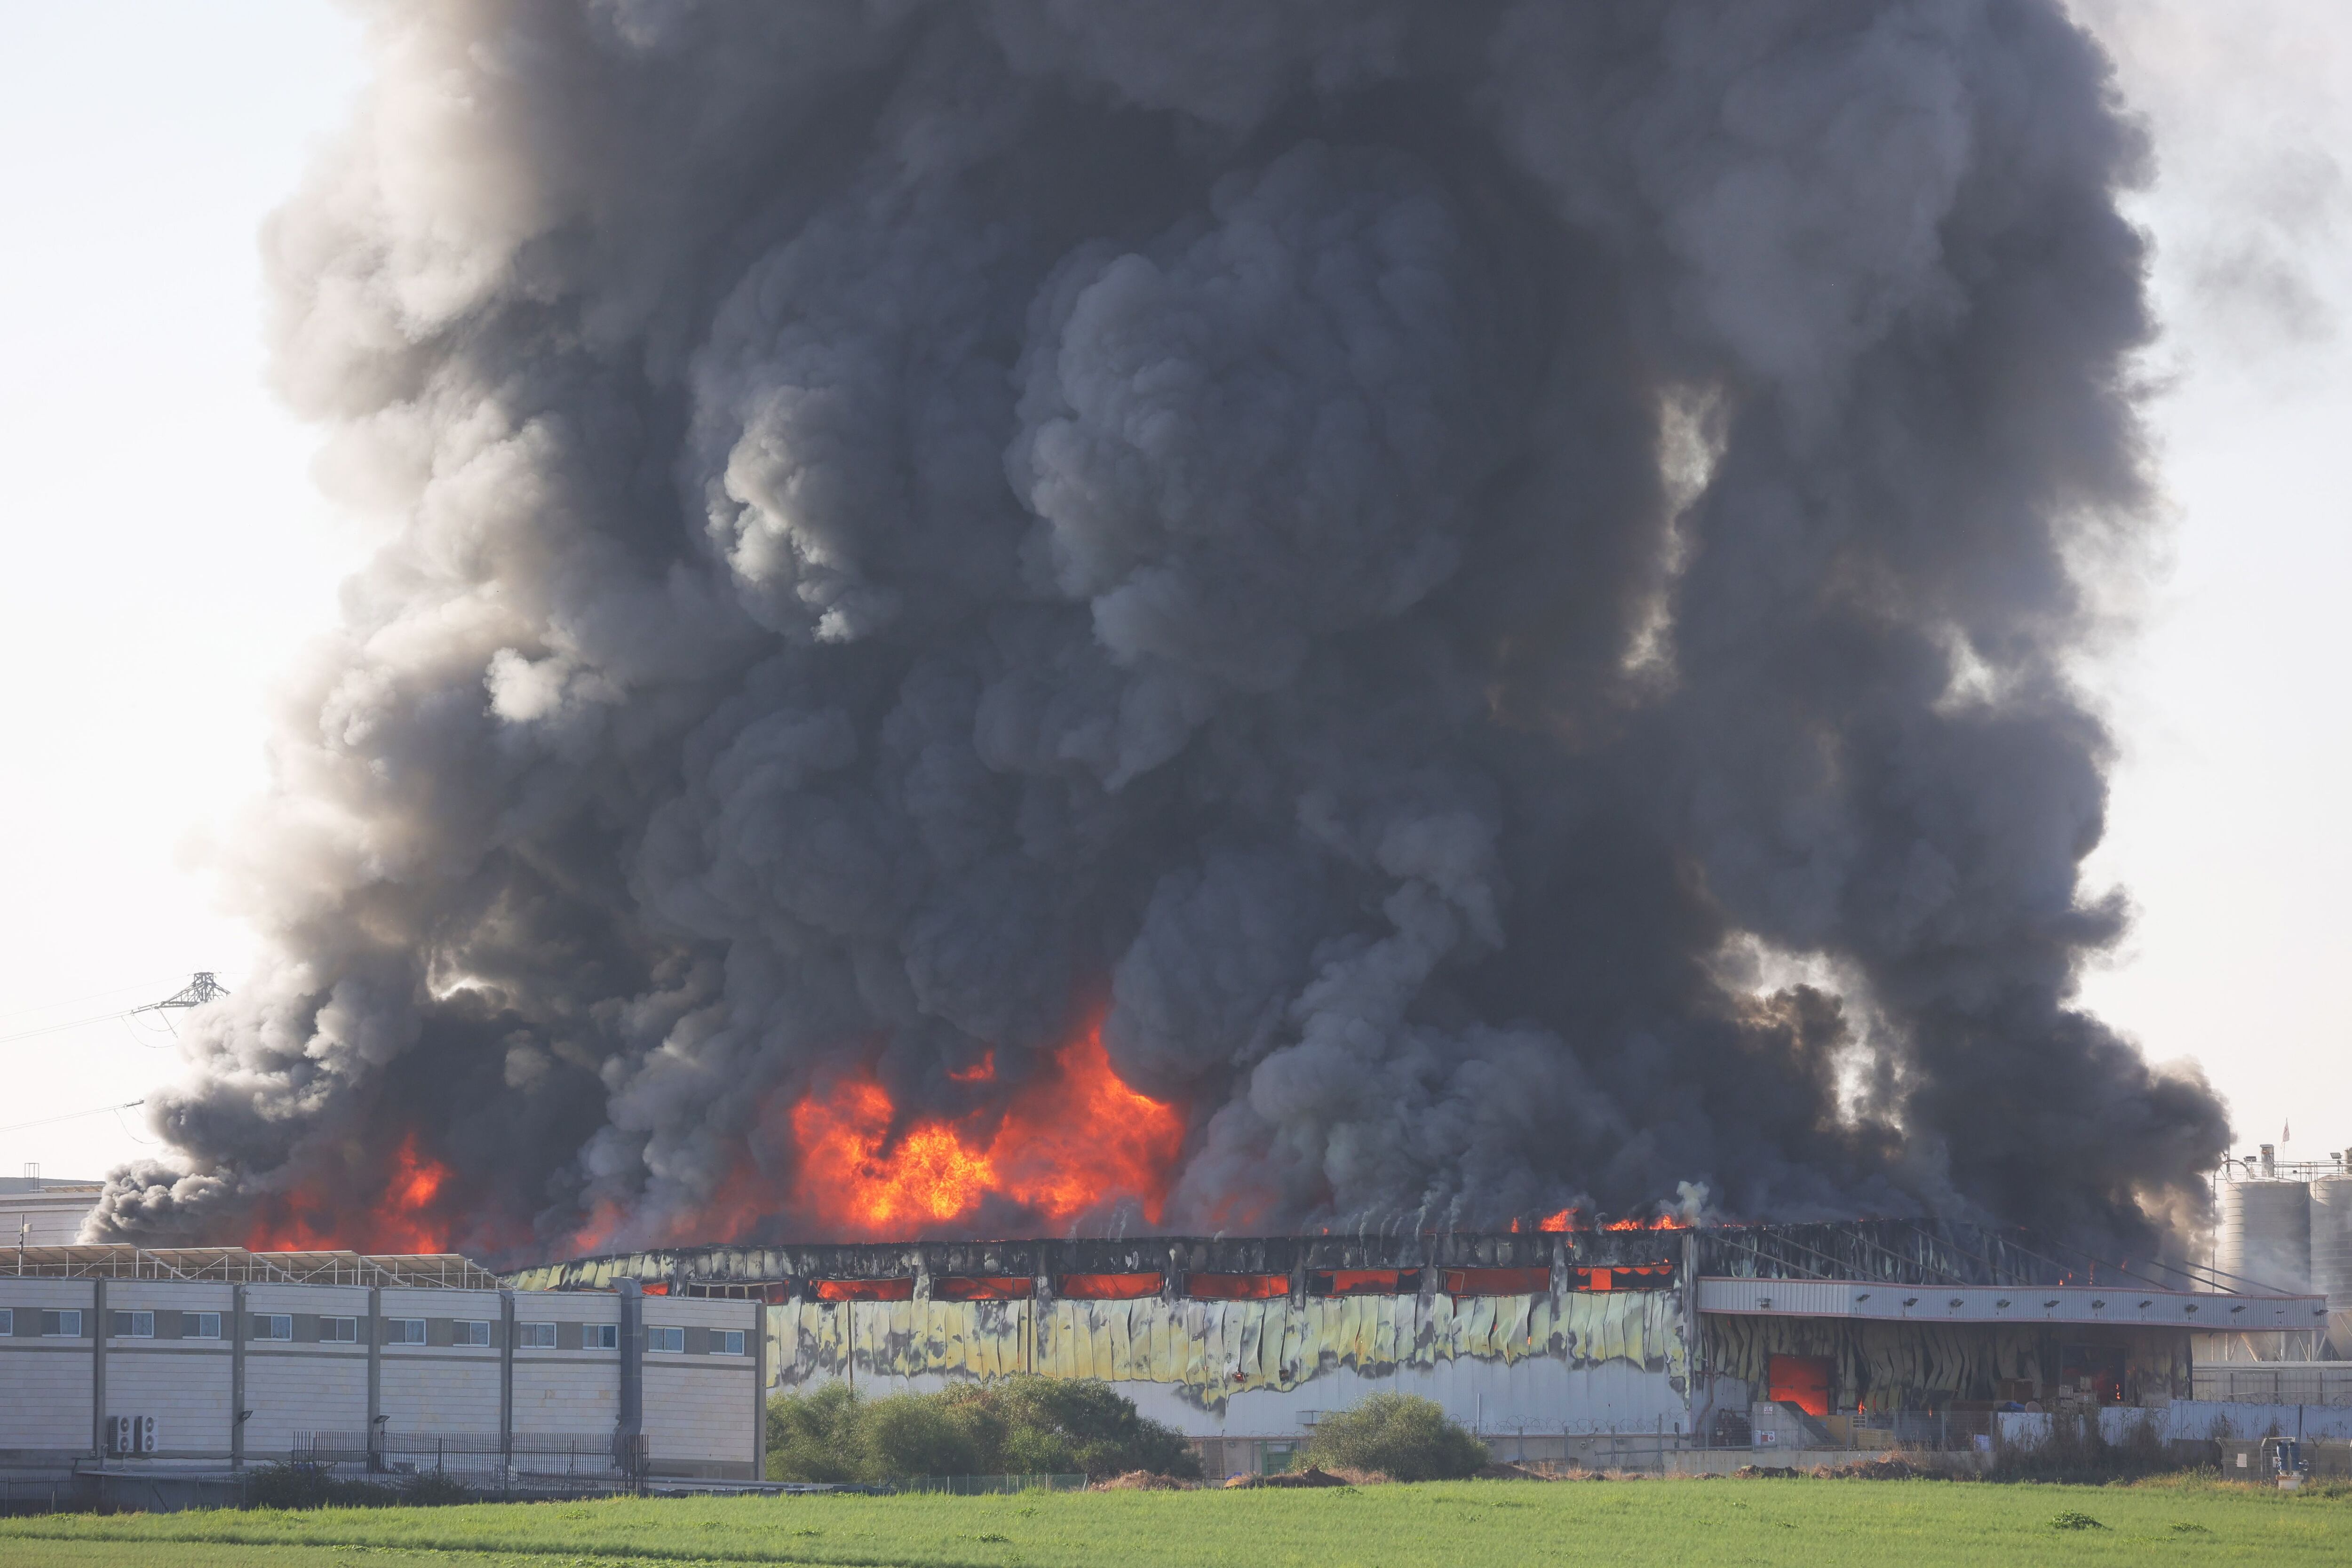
[[436, 1270], [2274, 1383], [584, 1456]]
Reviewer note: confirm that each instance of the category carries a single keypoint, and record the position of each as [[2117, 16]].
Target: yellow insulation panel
[[1215, 1349]]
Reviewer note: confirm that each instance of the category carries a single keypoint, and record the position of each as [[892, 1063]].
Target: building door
[[1802, 1381]]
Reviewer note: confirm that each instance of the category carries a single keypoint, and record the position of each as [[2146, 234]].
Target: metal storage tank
[[2331, 1255], [2265, 1234]]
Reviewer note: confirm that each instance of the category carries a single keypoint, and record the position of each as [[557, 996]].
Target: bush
[[1406, 1437], [815, 1436], [295, 1484], [1024, 1425], [1061, 1426], [2075, 1449]]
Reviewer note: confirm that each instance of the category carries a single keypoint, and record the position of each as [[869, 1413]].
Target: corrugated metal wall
[[1546, 1361]]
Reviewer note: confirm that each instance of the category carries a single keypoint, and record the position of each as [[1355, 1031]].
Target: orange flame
[[1556, 1221], [401, 1220], [1664, 1222], [1070, 1139]]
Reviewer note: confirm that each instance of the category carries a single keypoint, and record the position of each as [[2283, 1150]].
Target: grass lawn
[[1627, 1524]]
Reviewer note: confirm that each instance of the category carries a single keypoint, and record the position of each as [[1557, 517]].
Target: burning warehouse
[[1150, 618], [1605, 1346], [1342, 620]]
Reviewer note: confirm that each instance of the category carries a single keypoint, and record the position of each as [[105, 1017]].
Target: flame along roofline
[[1928, 1252]]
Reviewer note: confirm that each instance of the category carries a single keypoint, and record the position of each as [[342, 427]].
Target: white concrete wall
[[700, 1408], [184, 1383], [45, 1384], [699, 1405], [443, 1387], [567, 1393]]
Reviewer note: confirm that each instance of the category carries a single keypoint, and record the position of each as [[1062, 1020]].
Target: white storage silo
[[2264, 1235], [2331, 1255]]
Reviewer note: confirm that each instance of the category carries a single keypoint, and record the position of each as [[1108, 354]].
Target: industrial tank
[[2331, 1255], [2265, 1234]]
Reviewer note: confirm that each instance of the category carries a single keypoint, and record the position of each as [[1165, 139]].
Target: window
[[602, 1336], [1496, 1281], [133, 1325], [673, 1340], [66, 1325], [199, 1325], [7, 1322], [1107, 1287], [464, 1334], [273, 1326], [339, 1331], [535, 1336], [404, 1331], [727, 1342]]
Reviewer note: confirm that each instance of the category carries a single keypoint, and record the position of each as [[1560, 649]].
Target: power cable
[[205, 987], [73, 1116], [86, 997]]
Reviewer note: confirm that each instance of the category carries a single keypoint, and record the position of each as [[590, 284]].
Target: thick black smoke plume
[[1496, 579]]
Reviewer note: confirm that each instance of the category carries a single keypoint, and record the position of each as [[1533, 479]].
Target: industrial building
[[1615, 1347], [1584, 1346], [2289, 1227], [38, 1212], [126, 1365]]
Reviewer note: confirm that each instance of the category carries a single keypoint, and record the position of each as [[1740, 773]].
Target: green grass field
[[1626, 1524]]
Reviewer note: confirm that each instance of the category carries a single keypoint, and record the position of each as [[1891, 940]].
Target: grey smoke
[[1496, 579]]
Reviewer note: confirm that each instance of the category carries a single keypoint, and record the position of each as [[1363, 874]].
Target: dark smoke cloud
[[1496, 579]]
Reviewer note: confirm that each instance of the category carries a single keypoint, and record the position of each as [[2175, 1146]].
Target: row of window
[[279, 1326]]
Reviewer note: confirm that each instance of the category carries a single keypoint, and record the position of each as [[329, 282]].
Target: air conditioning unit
[[131, 1433]]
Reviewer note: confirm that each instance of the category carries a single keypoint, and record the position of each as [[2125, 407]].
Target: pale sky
[[172, 556]]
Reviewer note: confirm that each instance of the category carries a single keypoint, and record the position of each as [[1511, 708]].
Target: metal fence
[[2275, 1382], [584, 1456]]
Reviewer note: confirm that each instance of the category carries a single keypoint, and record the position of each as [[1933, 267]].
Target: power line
[[205, 987], [86, 997], [72, 1116]]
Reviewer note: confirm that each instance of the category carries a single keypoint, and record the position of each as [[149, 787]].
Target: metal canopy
[[431, 1272], [1877, 1300]]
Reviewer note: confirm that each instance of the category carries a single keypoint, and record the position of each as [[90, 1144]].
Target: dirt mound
[[1143, 1481], [1313, 1476], [1500, 1471], [1860, 1470], [1882, 1470]]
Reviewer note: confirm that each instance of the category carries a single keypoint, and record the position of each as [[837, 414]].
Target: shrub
[[1402, 1435], [1059, 1425], [1024, 1425], [815, 1436], [2075, 1449], [295, 1484], [922, 1434]]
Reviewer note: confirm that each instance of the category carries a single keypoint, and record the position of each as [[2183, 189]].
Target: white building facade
[[222, 1358]]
